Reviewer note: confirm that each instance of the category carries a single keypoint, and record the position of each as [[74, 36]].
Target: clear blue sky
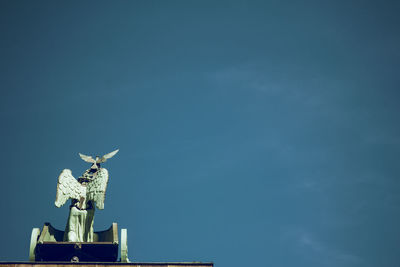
[[251, 133]]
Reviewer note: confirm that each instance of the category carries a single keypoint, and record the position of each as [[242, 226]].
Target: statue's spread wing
[[87, 158], [96, 189], [107, 156], [68, 187]]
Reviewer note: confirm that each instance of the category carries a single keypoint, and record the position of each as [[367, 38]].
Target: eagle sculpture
[[85, 193]]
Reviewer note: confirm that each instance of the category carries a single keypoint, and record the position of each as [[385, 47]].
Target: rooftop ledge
[[99, 264]]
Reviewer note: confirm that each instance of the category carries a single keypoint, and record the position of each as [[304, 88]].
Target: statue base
[[48, 245]]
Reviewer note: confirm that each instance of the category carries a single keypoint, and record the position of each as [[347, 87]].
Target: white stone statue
[[86, 192]]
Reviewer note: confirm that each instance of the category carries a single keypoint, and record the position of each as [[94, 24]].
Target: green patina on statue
[[86, 193], [79, 242]]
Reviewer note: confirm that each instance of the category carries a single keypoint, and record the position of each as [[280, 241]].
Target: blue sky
[[250, 132]]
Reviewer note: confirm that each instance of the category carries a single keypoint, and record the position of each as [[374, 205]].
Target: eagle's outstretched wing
[[68, 187], [96, 189], [87, 158], [107, 156]]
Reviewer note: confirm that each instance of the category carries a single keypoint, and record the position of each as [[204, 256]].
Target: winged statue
[[86, 193]]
